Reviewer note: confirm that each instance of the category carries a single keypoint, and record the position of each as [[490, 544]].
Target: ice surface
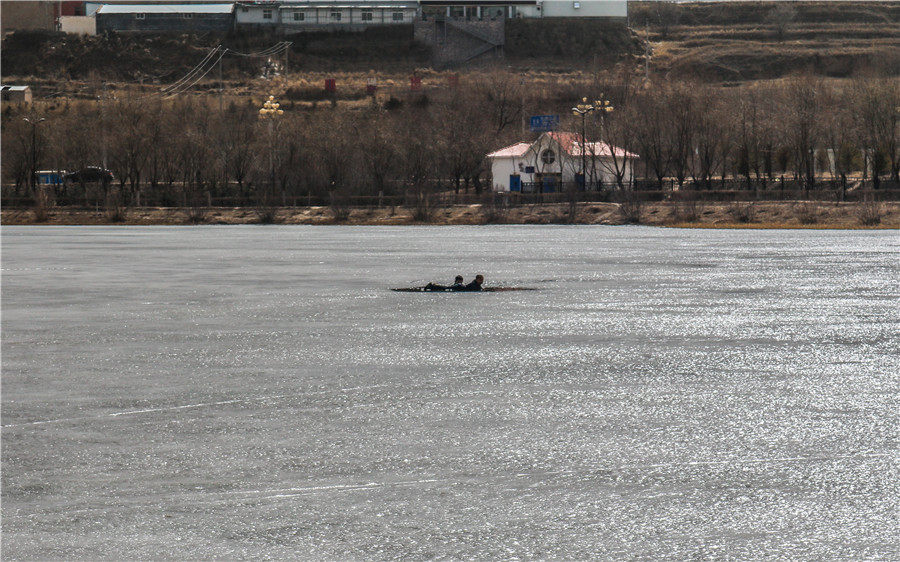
[[260, 393]]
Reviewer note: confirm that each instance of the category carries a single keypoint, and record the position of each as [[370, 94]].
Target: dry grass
[[767, 214]]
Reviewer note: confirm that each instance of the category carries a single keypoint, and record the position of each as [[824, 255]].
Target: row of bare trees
[[803, 129], [187, 151]]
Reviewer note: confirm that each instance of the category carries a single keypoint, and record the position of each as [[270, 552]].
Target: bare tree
[[711, 138], [800, 105], [377, 144], [840, 134], [196, 156], [81, 145], [132, 132], [502, 94], [237, 142], [754, 136], [418, 155], [653, 135], [682, 128], [16, 152], [464, 141], [618, 131], [781, 18]]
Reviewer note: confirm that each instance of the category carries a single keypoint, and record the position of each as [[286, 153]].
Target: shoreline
[[745, 215]]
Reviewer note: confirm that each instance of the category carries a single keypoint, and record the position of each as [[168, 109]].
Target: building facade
[[16, 94], [487, 9], [31, 16], [306, 15], [558, 160], [162, 18]]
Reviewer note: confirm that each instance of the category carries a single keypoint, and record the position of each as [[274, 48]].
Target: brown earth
[[763, 214], [747, 41], [718, 42]]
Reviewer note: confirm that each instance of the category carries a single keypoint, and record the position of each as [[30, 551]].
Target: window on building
[[187, 16], [335, 16], [267, 14], [398, 16], [139, 16], [245, 9], [548, 157], [299, 16], [367, 15]]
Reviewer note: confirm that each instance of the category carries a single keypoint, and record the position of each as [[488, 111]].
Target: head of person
[[459, 279], [479, 279]]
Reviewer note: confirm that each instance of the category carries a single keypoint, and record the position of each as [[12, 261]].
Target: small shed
[[157, 18], [81, 25], [16, 94], [559, 159]]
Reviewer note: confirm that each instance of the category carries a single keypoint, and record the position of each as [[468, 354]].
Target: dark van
[[91, 174]]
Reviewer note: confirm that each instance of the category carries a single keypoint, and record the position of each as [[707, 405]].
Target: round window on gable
[[548, 156]]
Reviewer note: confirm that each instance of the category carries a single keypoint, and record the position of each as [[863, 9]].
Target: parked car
[[91, 174]]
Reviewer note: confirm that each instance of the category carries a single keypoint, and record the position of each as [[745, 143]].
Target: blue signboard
[[544, 123]]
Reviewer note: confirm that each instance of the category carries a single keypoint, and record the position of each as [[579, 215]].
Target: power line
[[205, 66], [194, 71], [172, 93], [278, 48]]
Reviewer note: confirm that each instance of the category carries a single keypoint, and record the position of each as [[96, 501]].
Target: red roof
[[519, 149], [569, 142]]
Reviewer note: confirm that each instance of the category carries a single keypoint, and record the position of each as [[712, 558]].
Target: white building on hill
[[299, 15]]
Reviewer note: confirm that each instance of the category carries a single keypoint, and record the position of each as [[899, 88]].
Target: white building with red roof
[[557, 160]]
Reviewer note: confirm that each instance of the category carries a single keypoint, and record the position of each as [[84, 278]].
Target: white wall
[[502, 168], [254, 14], [320, 15], [585, 9], [83, 25]]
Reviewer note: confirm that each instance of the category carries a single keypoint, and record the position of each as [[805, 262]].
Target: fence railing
[[732, 191]]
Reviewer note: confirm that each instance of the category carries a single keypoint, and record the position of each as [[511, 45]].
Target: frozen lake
[[258, 392]]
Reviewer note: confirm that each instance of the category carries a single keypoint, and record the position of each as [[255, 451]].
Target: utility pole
[[103, 125], [34, 124], [646, 53], [583, 109], [524, 118], [221, 84]]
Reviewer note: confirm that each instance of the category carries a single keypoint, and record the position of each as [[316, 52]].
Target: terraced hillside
[[742, 41], [720, 42]]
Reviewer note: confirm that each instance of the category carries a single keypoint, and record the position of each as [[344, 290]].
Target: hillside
[[745, 41], [716, 42]]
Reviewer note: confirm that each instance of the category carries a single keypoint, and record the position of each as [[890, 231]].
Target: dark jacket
[[473, 286]]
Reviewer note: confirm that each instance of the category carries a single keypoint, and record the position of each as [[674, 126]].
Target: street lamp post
[[269, 112], [582, 109], [34, 125]]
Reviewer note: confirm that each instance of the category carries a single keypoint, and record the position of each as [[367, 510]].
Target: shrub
[[265, 206], [631, 208], [115, 210], [687, 211], [423, 207], [807, 212], [196, 215], [340, 205], [742, 212], [41, 206], [495, 208], [869, 213]]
